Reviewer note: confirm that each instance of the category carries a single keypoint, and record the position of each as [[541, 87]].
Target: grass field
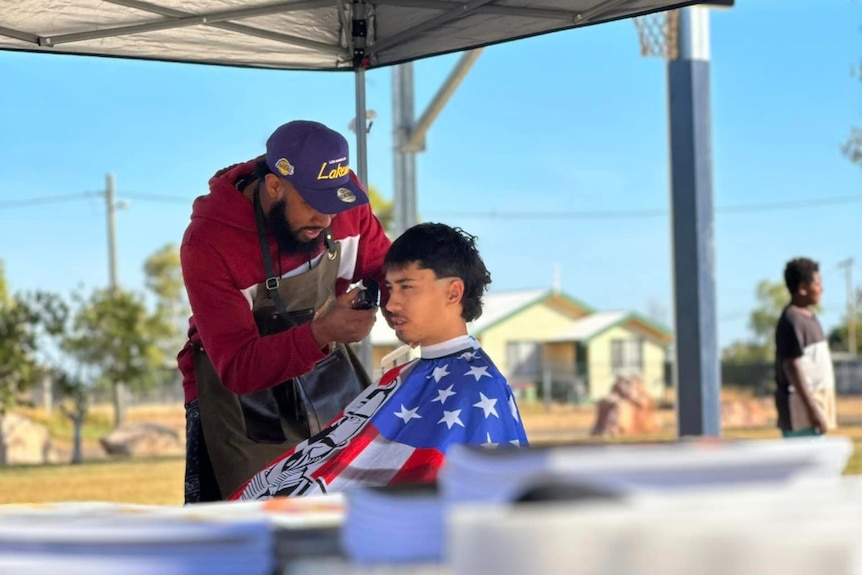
[[159, 481]]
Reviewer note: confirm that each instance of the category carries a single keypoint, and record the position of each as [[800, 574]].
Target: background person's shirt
[[799, 335]]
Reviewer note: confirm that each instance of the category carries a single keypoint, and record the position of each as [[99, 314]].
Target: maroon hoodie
[[222, 264]]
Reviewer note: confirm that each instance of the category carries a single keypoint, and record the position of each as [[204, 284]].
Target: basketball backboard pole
[[697, 370], [681, 37]]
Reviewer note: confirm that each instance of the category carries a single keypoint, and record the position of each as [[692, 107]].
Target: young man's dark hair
[[448, 252], [799, 271]]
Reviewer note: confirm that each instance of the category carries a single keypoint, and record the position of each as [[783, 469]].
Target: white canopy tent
[[333, 35], [296, 34]]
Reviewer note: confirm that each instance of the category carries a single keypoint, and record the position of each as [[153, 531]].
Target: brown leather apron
[[244, 433]]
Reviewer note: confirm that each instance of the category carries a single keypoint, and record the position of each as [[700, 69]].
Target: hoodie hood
[[224, 203]]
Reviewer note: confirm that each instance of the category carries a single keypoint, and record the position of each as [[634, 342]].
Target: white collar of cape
[[449, 347]]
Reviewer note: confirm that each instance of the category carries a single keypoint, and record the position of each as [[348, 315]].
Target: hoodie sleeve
[[244, 360]]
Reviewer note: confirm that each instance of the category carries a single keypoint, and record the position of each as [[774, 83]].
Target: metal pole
[[361, 129], [366, 355], [697, 368], [111, 205], [546, 388], [416, 141], [403, 111], [851, 306]]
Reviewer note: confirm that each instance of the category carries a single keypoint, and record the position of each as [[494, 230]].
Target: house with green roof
[[546, 337]]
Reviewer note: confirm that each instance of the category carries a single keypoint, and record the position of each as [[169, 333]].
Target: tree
[[4, 287], [18, 367], [772, 297], [382, 208], [51, 320], [838, 335], [164, 280], [112, 334], [853, 147]]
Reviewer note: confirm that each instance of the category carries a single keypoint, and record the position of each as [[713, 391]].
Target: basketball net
[[658, 34]]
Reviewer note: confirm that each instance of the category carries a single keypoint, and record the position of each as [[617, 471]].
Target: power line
[[650, 213], [492, 214], [158, 198], [49, 200], [45, 200]]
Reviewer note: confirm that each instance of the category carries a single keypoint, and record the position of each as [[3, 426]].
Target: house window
[[523, 358], [627, 355]]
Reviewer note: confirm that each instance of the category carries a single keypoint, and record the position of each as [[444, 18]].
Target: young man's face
[[424, 309], [812, 291]]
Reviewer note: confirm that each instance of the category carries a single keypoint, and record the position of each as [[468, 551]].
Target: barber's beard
[[288, 238]]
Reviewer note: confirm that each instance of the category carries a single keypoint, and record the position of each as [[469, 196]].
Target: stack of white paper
[[476, 474], [393, 524], [128, 540], [302, 527], [790, 529], [224, 537]]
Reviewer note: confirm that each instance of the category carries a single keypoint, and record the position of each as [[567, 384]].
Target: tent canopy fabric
[[295, 34]]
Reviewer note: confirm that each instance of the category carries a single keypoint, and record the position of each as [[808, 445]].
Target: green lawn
[[160, 481]]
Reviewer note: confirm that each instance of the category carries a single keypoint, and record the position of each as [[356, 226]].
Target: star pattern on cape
[[443, 394], [478, 372], [514, 409], [451, 418], [439, 373], [486, 404], [407, 414], [489, 443]]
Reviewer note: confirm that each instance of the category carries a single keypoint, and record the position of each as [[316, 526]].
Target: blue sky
[[574, 121]]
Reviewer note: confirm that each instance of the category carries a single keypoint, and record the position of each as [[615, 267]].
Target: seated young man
[[400, 429]]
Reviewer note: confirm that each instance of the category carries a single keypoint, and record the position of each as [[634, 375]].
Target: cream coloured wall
[[531, 324], [601, 373]]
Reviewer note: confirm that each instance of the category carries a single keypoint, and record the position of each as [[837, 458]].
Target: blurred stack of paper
[[302, 527], [389, 525], [795, 529], [104, 539], [210, 538], [395, 524], [477, 474]]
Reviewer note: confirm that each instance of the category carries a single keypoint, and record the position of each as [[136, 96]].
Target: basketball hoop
[[658, 34]]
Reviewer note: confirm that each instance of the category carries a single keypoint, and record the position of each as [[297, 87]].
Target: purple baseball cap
[[316, 161]]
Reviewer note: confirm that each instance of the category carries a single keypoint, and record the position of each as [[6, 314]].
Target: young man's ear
[[455, 293], [272, 187]]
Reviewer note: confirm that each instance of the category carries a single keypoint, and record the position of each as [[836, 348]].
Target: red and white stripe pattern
[[399, 430]]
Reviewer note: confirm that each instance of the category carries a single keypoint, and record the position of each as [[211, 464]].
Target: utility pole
[[851, 305], [110, 208]]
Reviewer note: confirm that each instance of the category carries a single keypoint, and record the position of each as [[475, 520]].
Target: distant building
[[538, 336]]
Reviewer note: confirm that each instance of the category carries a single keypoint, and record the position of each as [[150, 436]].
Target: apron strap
[[329, 243], [272, 279]]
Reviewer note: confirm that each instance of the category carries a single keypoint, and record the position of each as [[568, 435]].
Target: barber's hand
[[341, 323]]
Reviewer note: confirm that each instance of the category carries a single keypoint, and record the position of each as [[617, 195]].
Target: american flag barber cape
[[399, 430]]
